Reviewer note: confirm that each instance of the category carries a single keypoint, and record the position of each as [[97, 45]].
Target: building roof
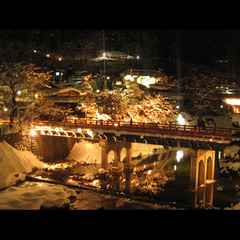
[[56, 91], [141, 72], [112, 56]]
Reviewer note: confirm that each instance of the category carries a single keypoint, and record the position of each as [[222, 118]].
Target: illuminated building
[[235, 103], [233, 99], [145, 77]]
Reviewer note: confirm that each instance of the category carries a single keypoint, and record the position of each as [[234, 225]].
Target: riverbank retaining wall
[[52, 148]]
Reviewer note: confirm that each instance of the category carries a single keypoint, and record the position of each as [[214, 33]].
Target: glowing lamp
[[33, 133], [181, 120]]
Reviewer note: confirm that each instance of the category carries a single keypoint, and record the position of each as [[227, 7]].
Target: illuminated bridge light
[[33, 133]]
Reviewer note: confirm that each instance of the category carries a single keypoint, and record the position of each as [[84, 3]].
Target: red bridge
[[168, 129], [123, 130], [162, 134]]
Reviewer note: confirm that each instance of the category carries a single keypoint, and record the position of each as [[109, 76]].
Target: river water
[[162, 177], [166, 177]]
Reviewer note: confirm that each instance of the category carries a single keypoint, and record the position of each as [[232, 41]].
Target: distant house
[[112, 63], [147, 78], [64, 95]]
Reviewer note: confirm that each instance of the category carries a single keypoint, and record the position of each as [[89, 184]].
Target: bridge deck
[[138, 127]]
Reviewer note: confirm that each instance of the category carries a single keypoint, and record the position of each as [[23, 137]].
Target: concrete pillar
[[117, 146], [116, 174], [209, 194], [128, 154], [128, 170], [104, 154], [193, 170], [202, 167], [202, 196], [211, 166], [116, 156]]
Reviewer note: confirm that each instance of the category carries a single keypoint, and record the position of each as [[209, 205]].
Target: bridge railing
[[168, 129], [5, 125]]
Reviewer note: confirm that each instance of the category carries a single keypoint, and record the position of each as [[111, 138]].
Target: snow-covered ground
[[34, 195], [230, 165], [15, 164], [231, 151], [37, 195]]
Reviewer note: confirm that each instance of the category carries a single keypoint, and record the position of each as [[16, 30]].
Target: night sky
[[200, 47]]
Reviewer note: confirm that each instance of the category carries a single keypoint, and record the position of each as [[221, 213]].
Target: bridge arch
[[202, 167], [201, 173], [123, 154], [122, 151], [110, 156], [210, 166]]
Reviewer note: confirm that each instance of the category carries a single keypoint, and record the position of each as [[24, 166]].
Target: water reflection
[[163, 176], [203, 197], [179, 155], [153, 173]]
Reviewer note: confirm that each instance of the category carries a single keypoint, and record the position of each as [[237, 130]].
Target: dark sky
[[190, 46]]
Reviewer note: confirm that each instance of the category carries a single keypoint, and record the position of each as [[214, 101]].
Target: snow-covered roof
[[56, 91], [112, 56], [63, 90], [141, 72]]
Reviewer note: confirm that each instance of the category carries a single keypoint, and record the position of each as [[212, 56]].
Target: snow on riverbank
[[34, 195], [85, 151], [231, 151], [88, 152], [231, 164], [15, 164]]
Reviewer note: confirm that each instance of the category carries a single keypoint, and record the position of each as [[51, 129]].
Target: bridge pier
[[202, 167], [117, 147]]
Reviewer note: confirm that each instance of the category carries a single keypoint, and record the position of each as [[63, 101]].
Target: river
[[162, 177]]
